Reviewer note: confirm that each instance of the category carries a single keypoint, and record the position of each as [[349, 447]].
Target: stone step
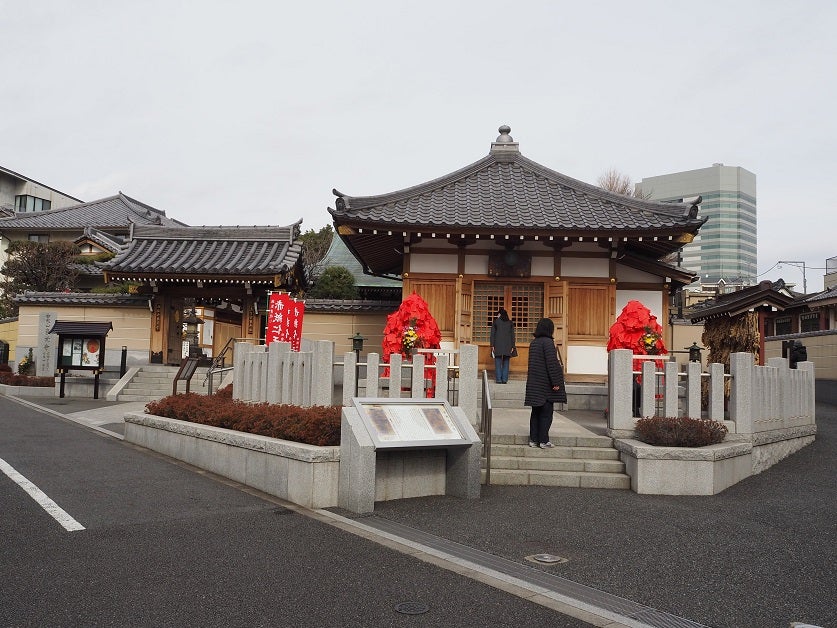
[[557, 464], [573, 453], [573, 479], [565, 441]]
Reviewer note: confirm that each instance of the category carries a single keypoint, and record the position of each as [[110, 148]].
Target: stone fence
[[275, 374], [771, 414], [762, 398]]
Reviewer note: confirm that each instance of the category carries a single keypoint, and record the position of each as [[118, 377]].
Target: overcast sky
[[251, 112]]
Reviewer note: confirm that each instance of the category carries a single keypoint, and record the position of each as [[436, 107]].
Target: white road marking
[[57, 513]]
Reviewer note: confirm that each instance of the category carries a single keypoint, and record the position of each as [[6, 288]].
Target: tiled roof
[[81, 298], [114, 212], [105, 240], [218, 252], [77, 328], [506, 193], [339, 255], [821, 298], [766, 293], [348, 305]]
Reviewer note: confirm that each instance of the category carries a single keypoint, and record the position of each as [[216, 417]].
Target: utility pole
[[804, 279]]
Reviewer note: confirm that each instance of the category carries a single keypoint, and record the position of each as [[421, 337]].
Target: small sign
[[409, 422]]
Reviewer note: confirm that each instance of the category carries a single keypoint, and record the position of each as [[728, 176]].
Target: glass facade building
[[726, 246]]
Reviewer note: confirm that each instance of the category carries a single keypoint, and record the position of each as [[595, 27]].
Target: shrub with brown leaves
[[11, 379], [680, 431], [318, 425]]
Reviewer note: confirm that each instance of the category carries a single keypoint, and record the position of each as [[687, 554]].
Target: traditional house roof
[[351, 305], [826, 297], [215, 254], [82, 298], [114, 212], [339, 255], [506, 194], [104, 241], [765, 294]]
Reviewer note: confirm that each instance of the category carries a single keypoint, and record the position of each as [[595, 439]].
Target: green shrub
[[680, 431], [318, 425]]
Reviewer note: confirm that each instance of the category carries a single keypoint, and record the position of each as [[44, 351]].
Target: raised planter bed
[[27, 391], [708, 470], [299, 473], [705, 470]]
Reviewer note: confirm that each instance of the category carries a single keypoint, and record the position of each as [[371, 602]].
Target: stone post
[[741, 395], [441, 391], [349, 377], [693, 390], [648, 405], [469, 381], [620, 419], [417, 384], [671, 398], [322, 373], [373, 371], [716, 391], [395, 361]]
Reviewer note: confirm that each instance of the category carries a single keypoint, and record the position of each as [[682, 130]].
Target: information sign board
[[400, 423]]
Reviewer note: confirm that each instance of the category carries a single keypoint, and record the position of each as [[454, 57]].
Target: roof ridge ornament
[[504, 148]]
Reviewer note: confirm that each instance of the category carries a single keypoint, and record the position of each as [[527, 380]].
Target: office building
[[725, 248]]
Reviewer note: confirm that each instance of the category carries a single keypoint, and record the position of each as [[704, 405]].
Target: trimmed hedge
[[680, 431], [317, 425]]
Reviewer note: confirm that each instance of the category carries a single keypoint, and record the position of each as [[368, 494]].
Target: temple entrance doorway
[[525, 304]]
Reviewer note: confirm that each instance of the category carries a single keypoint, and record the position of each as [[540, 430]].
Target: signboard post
[[81, 346], [396, 448]]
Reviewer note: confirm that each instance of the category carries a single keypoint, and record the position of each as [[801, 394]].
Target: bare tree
[[315, 245], [614, 181]]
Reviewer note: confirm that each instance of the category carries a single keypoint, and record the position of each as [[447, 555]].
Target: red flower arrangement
[[637, 329], [411, 326]]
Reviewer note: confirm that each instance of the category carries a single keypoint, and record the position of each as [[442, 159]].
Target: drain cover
[[412, 608], [547, 559]]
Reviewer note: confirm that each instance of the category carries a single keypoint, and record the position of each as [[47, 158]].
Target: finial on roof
[[504, 148]]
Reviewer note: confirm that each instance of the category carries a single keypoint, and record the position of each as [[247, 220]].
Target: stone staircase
[[575, 461], [154, 381], [580, 457]]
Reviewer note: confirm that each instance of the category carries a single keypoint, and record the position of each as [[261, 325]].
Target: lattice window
[[488, 298], [809, 321], [524, 303], [783, 325], [526, 309]]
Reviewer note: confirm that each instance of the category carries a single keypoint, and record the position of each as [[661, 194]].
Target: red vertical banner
[[284, 320]]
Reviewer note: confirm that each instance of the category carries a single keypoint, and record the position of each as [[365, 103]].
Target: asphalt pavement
[[759, 554]]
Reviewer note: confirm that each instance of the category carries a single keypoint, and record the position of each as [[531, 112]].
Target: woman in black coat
[[502, 345], [544, 383]]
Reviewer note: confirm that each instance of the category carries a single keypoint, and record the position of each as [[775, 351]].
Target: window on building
[[43, 238], [783, 325], [523, 302], [768, 327], [810, 321], [27, 203]]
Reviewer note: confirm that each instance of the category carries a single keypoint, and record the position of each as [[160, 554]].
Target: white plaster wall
[[584, 267], [623, 273], [587, 360], [439, 263], [542, 266], [476, 264], [652, 300]]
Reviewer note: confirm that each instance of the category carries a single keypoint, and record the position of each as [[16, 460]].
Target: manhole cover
[[547, 559], [412, 608]]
